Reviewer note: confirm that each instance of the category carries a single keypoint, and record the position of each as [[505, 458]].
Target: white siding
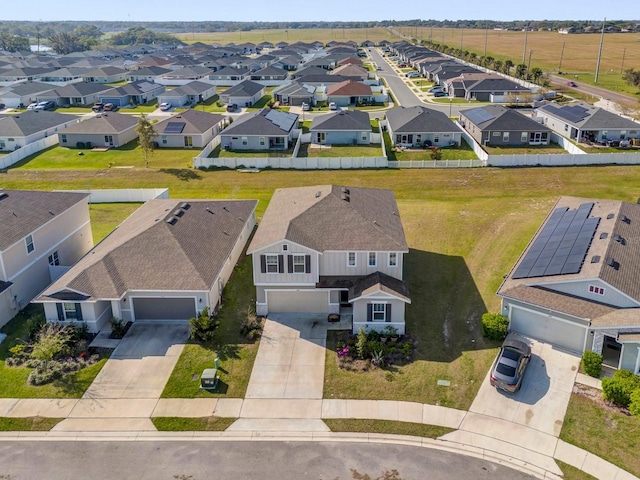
[[285, 278], [335, 263], [581, 289]]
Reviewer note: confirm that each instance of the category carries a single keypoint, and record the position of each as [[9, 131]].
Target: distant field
[[292, 35], [580, 51]]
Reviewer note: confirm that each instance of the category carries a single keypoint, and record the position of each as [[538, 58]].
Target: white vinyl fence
[[22, 153], [123, 195]]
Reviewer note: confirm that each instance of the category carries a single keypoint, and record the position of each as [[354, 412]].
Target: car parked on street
[[412, 74], [572, 84], [440, 93], [509, 367]]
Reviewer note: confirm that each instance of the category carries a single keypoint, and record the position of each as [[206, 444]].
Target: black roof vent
[[345, 190], [185, 206], [619, 239], [345, 197], [172, 220], [225, 208], [612, 263], [611, 215], [318, 193], [209, 210], [603, 235], [3, 195], [179, 212], [595, 259], [625, 219]]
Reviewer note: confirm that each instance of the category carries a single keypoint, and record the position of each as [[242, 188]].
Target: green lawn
[[220, 153], [386, 426], [127, 156], [552, 148], [573, 473], [609, 434], [260, 104], [236, 354], [462, 152], [107, 216], [210, 105], [30, 424], [371, 150], [204, 424], [13, 381]]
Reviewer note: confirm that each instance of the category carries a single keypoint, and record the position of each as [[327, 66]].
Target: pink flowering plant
[[343, 350]]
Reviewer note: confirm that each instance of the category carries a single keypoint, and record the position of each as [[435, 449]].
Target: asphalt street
[[193, 460]]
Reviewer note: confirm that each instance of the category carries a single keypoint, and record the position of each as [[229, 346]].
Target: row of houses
[[322, 249]]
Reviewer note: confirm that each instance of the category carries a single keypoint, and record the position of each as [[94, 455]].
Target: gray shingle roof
[[263, 122], [30, 122], [23, 211], [29, 88], [187, 255], [191, 88], [419, 119], [196, 122], [595, 118], [246, 88], [105, 123], [319, 218], [343, 120], [504, 119], [80, 89], [379, 281]]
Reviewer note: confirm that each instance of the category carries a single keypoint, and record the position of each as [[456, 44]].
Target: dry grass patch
[[386, 426]]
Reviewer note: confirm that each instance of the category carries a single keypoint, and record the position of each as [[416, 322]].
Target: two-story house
[[40, 233], [328, 249], [576, 284]]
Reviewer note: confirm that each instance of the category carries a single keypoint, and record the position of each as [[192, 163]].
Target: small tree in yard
[[146, 137], [203, 326], [494, 326], [436, 153], [53, 341]]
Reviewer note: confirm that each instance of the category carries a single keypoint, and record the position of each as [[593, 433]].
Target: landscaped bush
[[118, 327], [494, 326], [634, 405], [592, 364], [620, 387], [252, 325], [372, 348], [203, 326]]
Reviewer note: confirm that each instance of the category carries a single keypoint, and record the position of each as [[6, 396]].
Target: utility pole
[[561, 55], [595, 80], [461, 37], [486, 36], [431, 34], [529, 64], [524, 51], [624, 50]]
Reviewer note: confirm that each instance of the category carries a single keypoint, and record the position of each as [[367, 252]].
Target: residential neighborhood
[[315, 239]]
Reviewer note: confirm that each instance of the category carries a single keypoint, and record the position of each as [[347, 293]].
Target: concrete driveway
[[542, 400], [290, 359], [142, 363]]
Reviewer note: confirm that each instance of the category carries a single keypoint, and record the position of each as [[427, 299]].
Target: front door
[[321, 137], [108, 140], [611, 351], [344, 297]]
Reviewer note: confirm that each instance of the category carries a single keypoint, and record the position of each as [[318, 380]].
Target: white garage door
[[164, 308], [298, 302], [536, 325]]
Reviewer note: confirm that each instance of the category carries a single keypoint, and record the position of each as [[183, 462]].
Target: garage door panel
[[298, 302], [535, 325], [164, 308]]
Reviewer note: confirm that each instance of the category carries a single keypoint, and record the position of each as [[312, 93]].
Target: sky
[[328, 10]]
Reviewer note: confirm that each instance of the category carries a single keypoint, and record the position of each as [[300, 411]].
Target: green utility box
[[209, 378]]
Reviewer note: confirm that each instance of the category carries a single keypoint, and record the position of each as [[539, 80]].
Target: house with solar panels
[[576, 283], [267, 129], [189, 129], [497, 126], [584, 122]]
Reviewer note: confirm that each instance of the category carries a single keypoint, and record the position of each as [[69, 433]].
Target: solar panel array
[[572, 113], [174, 127], [479, 115], [562, 245]]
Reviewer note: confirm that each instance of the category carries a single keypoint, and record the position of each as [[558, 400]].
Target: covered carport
[[166, 308]]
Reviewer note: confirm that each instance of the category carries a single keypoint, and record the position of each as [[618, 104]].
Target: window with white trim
[[285, 247], [524, 136], [351, 259], [53, 259], [298, 264], [272, 263], [596, 290], [393, 259], [373, 259], [505, 137], [70, 312], [379, 310], [29, 243]]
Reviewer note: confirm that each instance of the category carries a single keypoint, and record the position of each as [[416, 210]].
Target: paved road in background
[[596, 91], [169, 460]]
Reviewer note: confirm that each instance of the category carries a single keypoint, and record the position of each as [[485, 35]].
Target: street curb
[[437, 444]]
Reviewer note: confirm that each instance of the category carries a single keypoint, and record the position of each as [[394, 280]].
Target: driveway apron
[[290, 359]]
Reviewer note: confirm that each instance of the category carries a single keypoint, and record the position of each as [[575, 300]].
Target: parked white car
[[164, 106], [333, 106], [305, 107]]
